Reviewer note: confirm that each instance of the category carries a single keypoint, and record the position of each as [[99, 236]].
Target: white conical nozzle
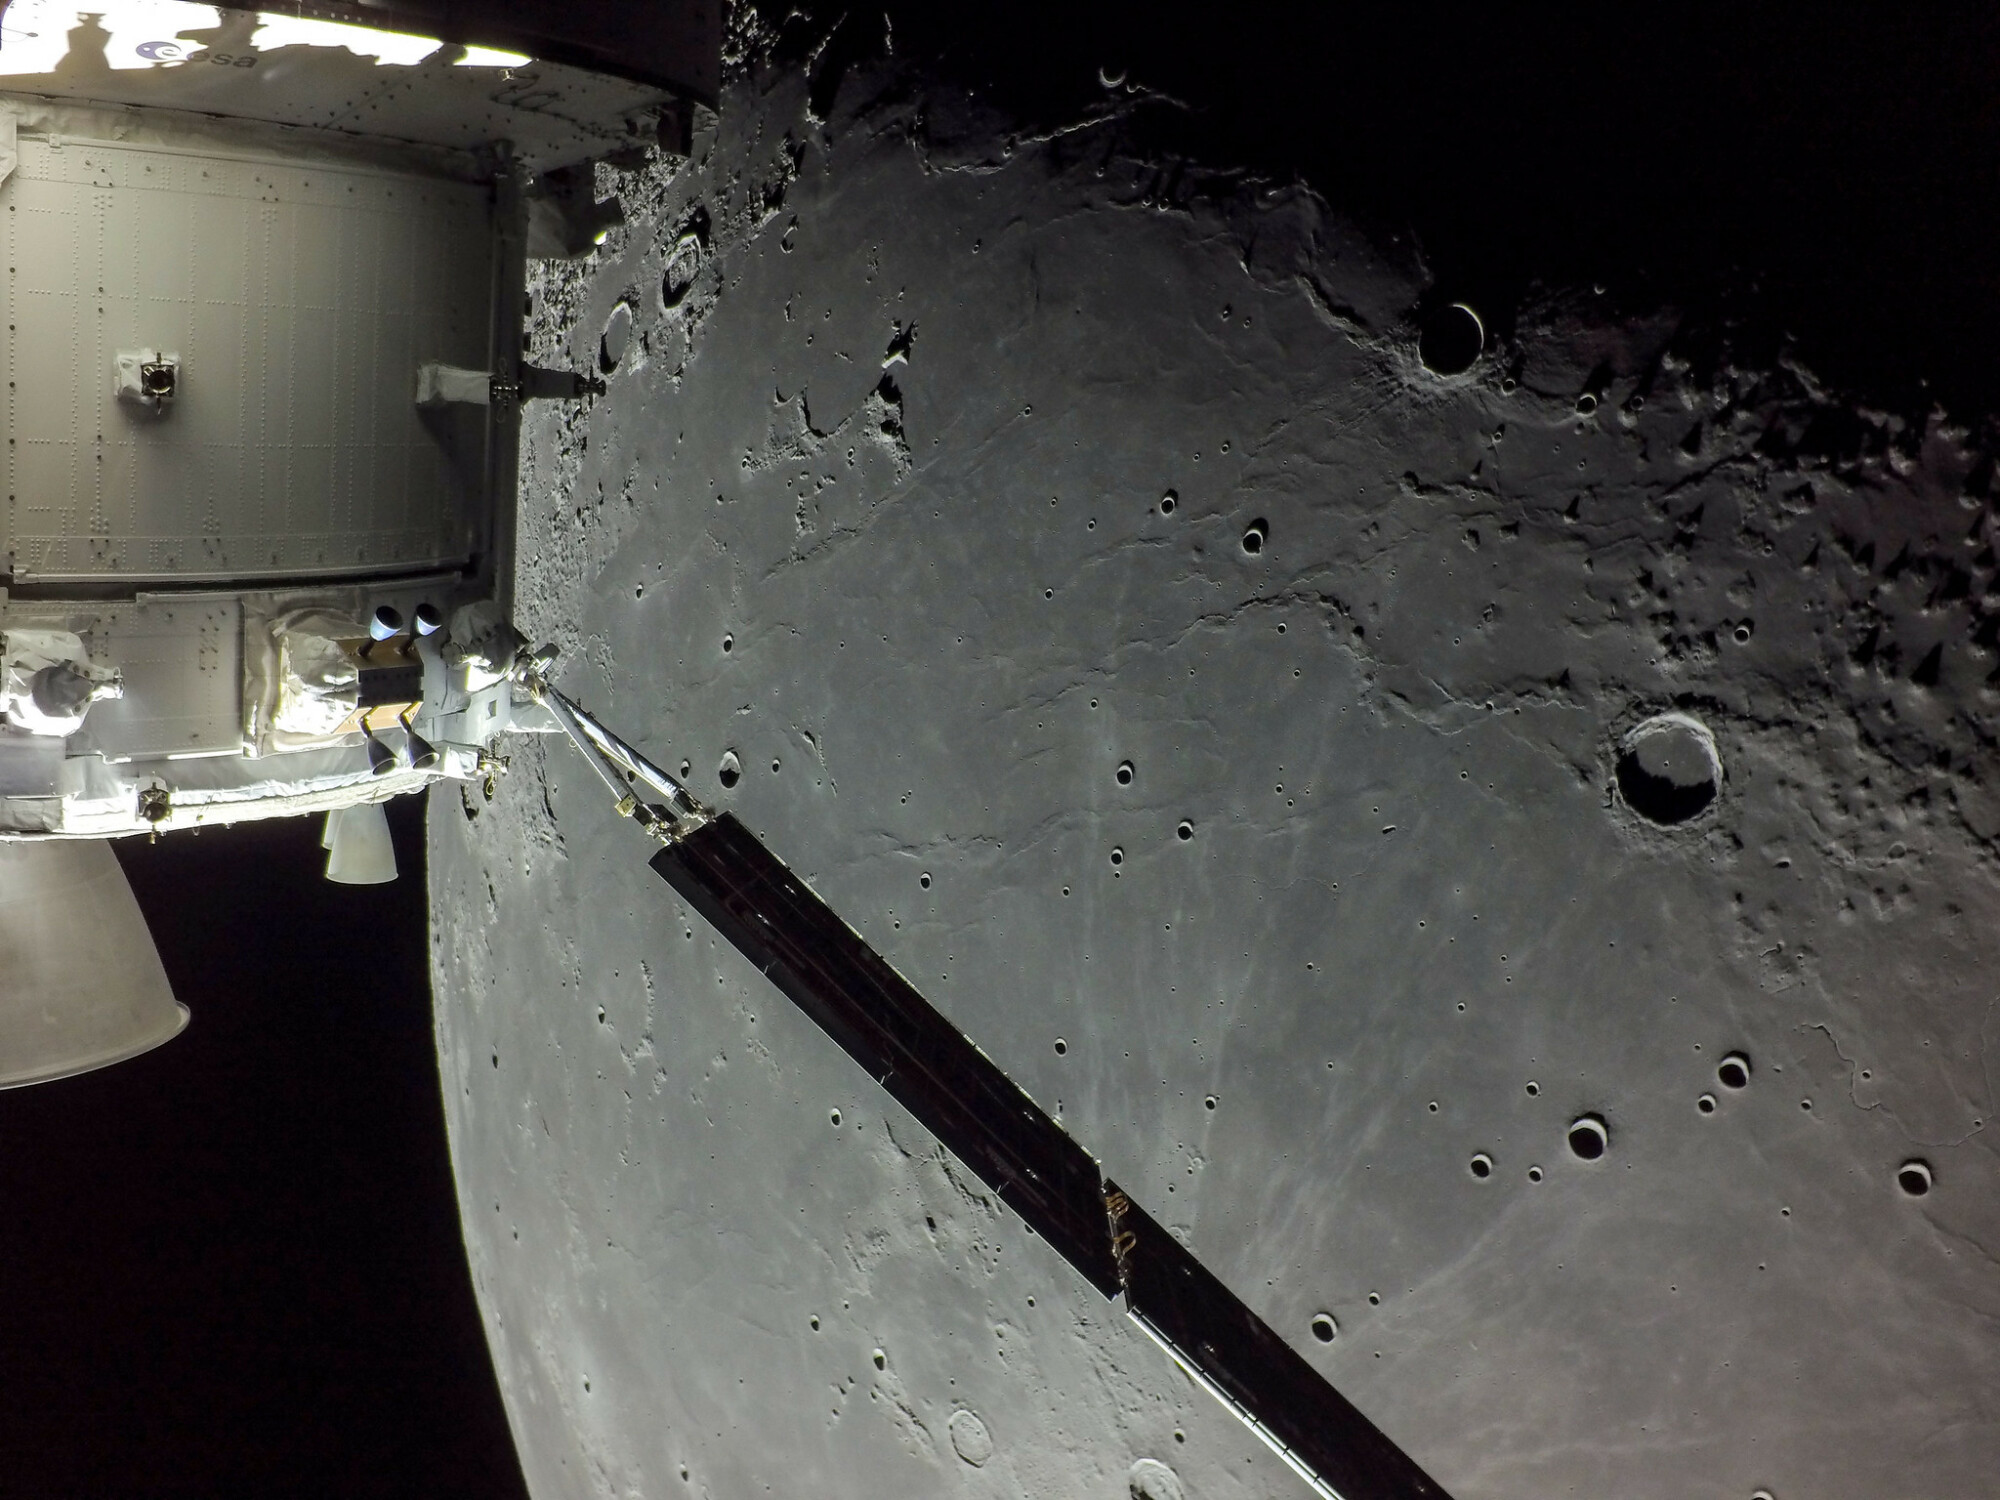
[[84, 986], [358, 848]]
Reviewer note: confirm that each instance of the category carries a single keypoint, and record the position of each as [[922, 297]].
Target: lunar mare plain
[[1502, 863]]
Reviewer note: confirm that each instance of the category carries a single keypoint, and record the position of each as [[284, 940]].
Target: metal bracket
[[148, 379], [623, 770]]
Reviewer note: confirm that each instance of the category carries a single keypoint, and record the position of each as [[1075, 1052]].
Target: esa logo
[[174, 52]]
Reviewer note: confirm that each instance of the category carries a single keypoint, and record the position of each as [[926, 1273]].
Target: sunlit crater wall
[[1503, 863]]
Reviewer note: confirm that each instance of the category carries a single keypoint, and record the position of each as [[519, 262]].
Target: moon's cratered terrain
[[1499, 854]]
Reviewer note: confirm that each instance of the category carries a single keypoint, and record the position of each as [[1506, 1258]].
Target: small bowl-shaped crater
[[1125, 773], [1589, 1137], [1324, 1328], [1481, 1166], [1255, 535], [1451, 340], [1668, 769], [1733, 1072], [1149, 1479], [1706, 1104], [730, 771], [1914, 1177]]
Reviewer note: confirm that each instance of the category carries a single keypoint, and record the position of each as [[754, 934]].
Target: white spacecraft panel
[[299, 297], [317, 75], [182, 661]]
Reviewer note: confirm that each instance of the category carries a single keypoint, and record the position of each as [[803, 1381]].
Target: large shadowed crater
[[1668, 770]]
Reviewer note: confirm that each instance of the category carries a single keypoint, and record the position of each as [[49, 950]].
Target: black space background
[[233, 1267]]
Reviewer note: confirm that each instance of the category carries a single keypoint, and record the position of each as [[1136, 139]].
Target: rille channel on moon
[[1483, 820]]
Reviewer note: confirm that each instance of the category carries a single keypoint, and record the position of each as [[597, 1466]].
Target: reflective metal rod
[[622, 753]]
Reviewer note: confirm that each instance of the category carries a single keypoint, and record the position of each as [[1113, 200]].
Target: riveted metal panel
[[300, 297], [182, 663]]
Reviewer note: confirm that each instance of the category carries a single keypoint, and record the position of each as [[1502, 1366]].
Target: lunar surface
[[1493, 842]]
